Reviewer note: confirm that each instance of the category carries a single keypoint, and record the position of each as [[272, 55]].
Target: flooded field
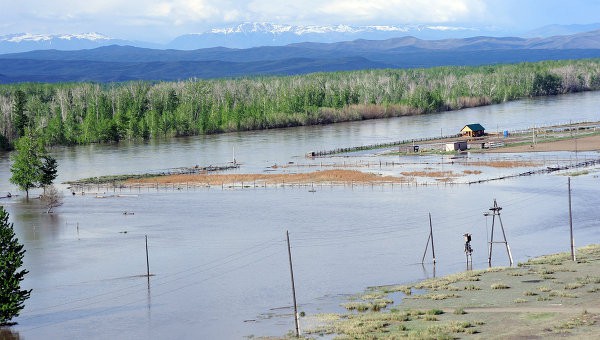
[[218, 255]]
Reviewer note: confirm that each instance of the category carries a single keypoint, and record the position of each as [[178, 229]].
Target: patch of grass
[[459, 311], [500, 286], [561, 293], [520, 300], [575, 285], [496, 269], [584, 319], [544, 289], [554, 259], [515, 273], [431, 318], [395, 288], [415, 312], [472, 287], [544, 298], [588, 279], [530, 293], [548, 277], [435, 312], [446, 280], [359, 306], [441, 296], [577, 173], [539, 316]]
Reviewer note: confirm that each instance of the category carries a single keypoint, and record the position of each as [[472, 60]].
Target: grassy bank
[[546, 297]]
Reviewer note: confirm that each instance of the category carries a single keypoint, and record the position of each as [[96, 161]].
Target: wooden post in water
[[571, 223], [427, 245], [147, 262], [287, 234]]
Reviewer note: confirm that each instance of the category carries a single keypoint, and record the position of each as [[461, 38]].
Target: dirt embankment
[[336, 176], [590, 143]]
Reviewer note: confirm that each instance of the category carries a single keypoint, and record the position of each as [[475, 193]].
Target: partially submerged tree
[[52, 198], [27, 164], [49, 171], [32, 167], [12, 297]]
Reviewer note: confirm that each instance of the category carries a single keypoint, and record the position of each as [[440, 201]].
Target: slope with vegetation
[[80, 113]]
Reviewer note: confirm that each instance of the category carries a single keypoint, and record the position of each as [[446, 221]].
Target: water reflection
[[6, 333]]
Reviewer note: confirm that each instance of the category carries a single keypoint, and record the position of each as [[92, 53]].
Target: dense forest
[[80, 113]]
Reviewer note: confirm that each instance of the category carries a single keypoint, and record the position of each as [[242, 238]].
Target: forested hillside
[[79, 113]]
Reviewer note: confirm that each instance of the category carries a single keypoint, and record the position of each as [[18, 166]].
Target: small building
[[456, 146], [473, 130]]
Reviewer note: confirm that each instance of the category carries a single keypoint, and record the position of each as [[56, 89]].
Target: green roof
[[475, 127]]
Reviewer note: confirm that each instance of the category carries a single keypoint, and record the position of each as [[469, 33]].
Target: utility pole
[[147, 262], [427, 245], [496, 212], [287, 233], [571, 223]]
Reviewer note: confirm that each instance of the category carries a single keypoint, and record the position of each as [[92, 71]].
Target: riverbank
[[546, 297]]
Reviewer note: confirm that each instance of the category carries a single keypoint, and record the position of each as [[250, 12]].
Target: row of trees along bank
[[80, 113]]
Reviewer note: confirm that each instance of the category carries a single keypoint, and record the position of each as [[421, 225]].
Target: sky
[[163, 20]]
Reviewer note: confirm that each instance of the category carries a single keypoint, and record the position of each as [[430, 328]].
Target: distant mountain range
[[247, 35], [122, 63]]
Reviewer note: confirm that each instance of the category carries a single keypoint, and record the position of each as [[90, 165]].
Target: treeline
[[80, 113]]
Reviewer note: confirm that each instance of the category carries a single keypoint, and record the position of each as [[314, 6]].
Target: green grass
[[434, 312], [459, 311]]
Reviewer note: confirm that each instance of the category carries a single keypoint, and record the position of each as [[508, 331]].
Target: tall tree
[[26, 168], [20, 118], [48, 171], [12, 297]]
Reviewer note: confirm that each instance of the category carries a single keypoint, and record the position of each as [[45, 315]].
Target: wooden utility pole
[[147, 262], [571, 223], [427, 245], [287, 233], [496, 212]]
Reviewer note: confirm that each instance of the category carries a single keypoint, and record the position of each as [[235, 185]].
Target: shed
[[456, 146], [473, 130]]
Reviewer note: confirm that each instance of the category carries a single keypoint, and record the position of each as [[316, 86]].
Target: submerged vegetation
[[80, 113]]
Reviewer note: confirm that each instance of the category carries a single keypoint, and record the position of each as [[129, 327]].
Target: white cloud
[[403, 11], [152, 19]]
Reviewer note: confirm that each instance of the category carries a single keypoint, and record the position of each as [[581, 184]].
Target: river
[[219, 258]]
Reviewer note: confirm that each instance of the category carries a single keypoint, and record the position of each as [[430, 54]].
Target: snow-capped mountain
[[23, 42], [253, 34]]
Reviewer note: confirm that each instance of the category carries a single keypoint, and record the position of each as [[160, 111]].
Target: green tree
[[547, 85], [27, 164], [49, 171], [20, 118], [12, 297]]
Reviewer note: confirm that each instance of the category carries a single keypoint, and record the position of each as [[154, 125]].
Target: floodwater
[[219, 257]]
